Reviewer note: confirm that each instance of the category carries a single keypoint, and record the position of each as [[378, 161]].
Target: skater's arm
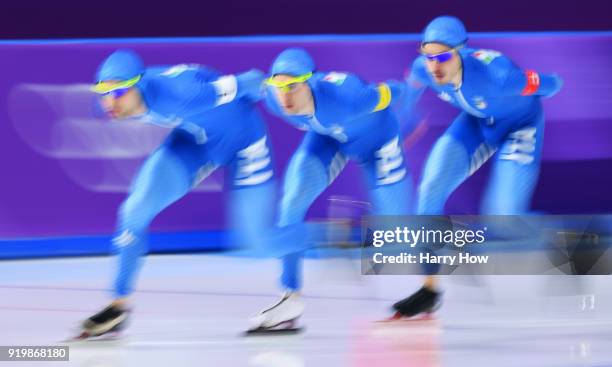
[[192, 91], [517, 81], [363, 98], [416, 83]]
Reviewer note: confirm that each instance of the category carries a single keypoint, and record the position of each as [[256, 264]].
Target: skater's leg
[[446, 168], [388, 181], [312, 168], [166, 176], [455, 156], [291, 278], [316, 163], [162, 180], [393, 197], [389, 184], [253, 195], [515, 171]]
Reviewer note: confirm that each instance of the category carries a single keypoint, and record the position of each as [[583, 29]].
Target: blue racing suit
[[351, 120], [501, 115], [214, 124]]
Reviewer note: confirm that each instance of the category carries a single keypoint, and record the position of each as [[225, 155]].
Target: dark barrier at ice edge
[[488, 245]]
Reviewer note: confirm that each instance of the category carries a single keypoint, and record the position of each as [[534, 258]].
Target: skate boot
[[421, 304], [280, 318], [106, 323]]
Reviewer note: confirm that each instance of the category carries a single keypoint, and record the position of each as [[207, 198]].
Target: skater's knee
[[448, 161], [295, 202], [427, 188], [135, 214], [430, 206], [129, 242], [295, 199], [302, 190], [306, 178], [436, 187], [431, 195], [435, 183]]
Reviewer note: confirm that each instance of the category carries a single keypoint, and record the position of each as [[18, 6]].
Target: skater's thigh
[[324, 149], [315, 164], [252, 199], [167, 174], [384, 164], [515, 171], [458, 153], [386, 174], [466, 129], [253, 165]]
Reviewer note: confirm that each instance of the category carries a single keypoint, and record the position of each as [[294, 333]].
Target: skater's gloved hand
[[250, 84], [558, 85], [398, 89], [552, 84]]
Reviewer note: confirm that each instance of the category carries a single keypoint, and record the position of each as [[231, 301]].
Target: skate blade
[[114, 333], [284, 328], [262, 331], [398, 318], [85, 336]]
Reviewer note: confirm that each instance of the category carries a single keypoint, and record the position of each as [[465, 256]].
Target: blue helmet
[[447, 30], [293, 61], [120, 65]]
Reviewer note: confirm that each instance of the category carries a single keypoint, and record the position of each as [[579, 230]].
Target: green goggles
[[105, 87], [290, 84]]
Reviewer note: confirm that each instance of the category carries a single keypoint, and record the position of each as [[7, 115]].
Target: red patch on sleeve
[[533, 83]]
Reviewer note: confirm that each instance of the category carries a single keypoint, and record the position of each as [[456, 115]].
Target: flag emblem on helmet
[[486, 56], [336, 78]]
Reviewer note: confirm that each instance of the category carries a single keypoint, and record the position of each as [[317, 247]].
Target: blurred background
[[68, 169], [29, 19]]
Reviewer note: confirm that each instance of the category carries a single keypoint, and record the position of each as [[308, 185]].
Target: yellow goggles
[[105, 87], [288, 85]]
